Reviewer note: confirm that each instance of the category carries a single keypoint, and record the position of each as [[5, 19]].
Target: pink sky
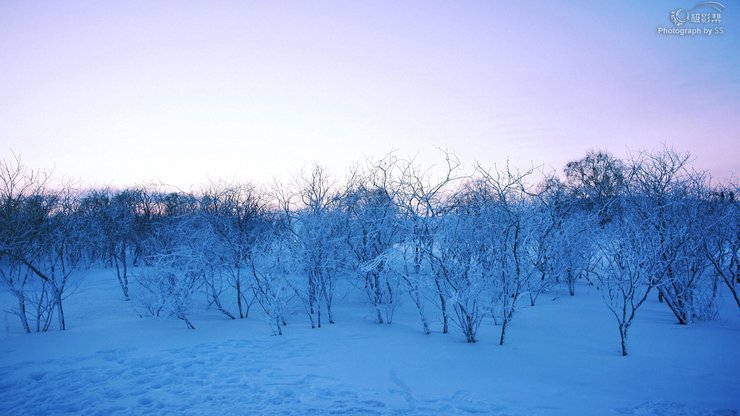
[[116, 93]]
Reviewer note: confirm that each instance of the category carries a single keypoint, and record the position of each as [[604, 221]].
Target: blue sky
[[116, 93]]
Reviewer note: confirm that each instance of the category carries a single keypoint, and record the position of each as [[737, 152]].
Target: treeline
[[463, 245]]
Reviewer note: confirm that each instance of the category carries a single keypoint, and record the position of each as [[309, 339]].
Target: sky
[[117, 93]]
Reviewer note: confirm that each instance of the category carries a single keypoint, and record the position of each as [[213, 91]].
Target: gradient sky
[[116, 93]]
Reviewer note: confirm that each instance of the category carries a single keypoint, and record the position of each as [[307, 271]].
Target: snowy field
[[562, 357]]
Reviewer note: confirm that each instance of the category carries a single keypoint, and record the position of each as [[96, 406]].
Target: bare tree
[[272, 269], [112, 218], [562, 250], [546, 226], [233, 212], [65, 241], [464, 257], [722, 242], [42, 236], [576, 251], [372, 234], [596, 181], [422, 198], [631, 268], [175, 268], [317, 238], [667, 199], [510, 211], [24, 212]]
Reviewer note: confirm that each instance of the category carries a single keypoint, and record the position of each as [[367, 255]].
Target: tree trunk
[[22, 314], [310, 317], [443, 305], [125, 275], [677, 312], [378, 296], [114, 260], [187, 321], [422, 315], [217, 301], [379, 315], [623, 337], [239, 295], [278, 326], [60, 310], [329, 313], [504, 324], [311, 292], [470, 337], [327, 298], [469, 327], [729, 283]]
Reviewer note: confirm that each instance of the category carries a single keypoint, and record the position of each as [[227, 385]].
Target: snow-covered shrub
[[176, 268], [271, 265], [372, 232]]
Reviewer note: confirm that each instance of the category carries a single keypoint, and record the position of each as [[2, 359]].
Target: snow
[[562, 357]]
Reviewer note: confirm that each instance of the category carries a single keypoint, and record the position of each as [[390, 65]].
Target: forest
[[462, 245]]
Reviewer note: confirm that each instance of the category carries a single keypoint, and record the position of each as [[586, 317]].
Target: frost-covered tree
[[722, 237], [274, 270], [511, 214], [596, 181], [42, 243], [234, 214], [175, 269], [575, 249], [372, 235], [122, 235], [23, 247], [666, 198], [65, 239], [148, 213], [112, 217], [631, 268], [464, 257], [25, 208], [542, 252], [422, 198], [214, 275], [562, 247], [317, 239]]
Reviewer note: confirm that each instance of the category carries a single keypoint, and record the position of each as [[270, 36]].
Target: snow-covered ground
[[561, 358]]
